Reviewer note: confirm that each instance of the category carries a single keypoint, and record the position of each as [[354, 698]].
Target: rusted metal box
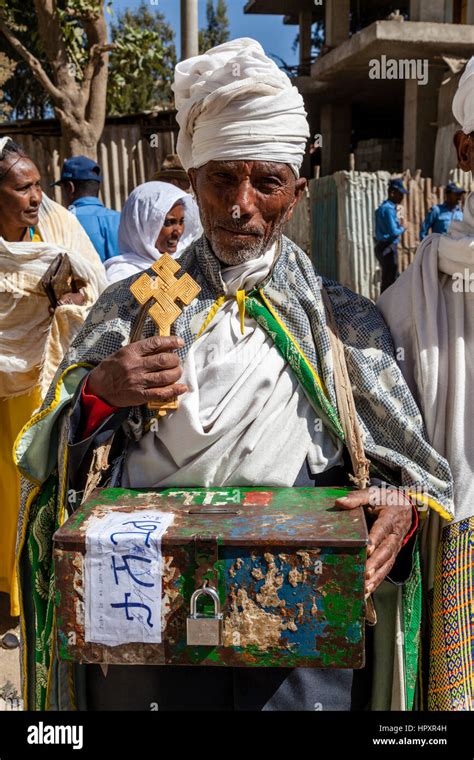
[[287, 565]]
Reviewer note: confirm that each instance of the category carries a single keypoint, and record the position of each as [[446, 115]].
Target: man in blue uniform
[[388, 231], [440, 217], [80, 182]]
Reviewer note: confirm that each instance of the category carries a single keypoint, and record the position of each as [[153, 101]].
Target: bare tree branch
[[95, 57]]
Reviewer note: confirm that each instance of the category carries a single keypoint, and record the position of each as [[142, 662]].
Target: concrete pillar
[[306, 21], [428, 10], [420, 122], [337, 20], [189, 29], [336, 132]]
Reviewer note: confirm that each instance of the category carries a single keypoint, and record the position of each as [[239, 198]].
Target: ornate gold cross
[[165, 289]]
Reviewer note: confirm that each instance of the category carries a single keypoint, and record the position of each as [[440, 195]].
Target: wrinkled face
[[172, 230], [244, 205], [20, 193]]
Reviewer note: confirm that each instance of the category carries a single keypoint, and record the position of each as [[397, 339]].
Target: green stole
[[44, 521]]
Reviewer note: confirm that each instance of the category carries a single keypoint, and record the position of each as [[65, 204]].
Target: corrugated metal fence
[[359, 194], [324, 225], [342, 224], [298, 228]]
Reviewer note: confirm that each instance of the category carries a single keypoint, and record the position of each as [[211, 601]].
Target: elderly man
[[258, 360], [430, 312]]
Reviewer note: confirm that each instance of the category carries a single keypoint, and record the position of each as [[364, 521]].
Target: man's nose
[[244, 200]]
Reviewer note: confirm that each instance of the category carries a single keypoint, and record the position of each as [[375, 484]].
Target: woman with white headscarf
[[157, 218]]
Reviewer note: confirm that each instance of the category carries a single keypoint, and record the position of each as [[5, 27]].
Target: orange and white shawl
[[32, 343]]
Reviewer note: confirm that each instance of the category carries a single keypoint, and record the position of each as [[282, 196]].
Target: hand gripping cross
[[165, 290]]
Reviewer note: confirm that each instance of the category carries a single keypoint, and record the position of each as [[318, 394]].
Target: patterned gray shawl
[[391, 424]]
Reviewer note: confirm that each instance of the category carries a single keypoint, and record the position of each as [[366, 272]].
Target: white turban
[[463, 103], [234, 103]]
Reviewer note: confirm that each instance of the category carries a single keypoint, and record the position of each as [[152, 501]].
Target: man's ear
[[300, 187], [462, 143]]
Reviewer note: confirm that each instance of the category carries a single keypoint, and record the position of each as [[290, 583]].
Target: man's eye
[[268, 184]]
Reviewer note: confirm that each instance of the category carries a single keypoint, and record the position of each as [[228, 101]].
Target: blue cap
[[79, 168], [453, 187], [397, 184]]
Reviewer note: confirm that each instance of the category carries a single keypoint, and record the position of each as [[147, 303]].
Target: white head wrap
[[234, 103], [141, 220], [463, 103], [143, 216]]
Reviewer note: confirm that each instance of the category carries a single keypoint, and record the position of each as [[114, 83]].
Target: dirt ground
[[9, 661]]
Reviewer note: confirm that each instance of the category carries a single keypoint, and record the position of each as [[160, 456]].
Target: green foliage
[[217, 29], [7, 69], [141, 63], [23, 93], [317, 39]]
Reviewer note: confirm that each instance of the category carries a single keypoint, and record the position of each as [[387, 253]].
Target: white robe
[[430, 313], [245, 420]]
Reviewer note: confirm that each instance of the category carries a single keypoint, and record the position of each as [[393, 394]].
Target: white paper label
[[123, 577]]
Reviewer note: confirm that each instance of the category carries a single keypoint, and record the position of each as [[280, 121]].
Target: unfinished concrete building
[[379, 91]]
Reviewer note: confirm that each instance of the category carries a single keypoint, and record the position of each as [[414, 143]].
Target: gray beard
[[252, 250]]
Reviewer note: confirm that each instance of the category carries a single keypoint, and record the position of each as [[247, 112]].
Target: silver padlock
[[204, 630]]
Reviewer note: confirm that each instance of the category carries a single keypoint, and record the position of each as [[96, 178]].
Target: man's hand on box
[[393, 514]]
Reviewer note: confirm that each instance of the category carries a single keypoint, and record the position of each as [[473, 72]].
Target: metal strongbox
[[237, 577]]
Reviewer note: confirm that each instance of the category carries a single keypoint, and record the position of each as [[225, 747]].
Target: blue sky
[[268, 30]]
